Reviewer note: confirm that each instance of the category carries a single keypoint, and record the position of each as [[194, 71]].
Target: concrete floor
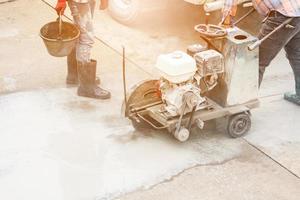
[[55, 145]]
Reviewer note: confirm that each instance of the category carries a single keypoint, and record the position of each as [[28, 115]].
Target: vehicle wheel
[[124, 11], [239, 125]]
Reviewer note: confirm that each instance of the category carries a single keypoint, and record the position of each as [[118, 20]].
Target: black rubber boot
[[294, 98], [87, 81], [72, 76]]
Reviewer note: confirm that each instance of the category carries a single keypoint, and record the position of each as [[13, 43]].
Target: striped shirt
[[290, 8]]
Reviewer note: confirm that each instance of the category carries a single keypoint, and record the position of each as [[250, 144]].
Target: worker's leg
[[82, 18], [82, 14], [72, 73], [293, 54], [272, 45]]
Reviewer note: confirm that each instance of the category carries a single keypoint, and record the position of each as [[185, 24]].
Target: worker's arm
[[60, 6], [103, 4], [229, 11]]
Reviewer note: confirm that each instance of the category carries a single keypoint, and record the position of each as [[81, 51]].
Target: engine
[[182, 76]]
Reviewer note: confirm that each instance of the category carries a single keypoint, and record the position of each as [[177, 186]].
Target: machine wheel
[[182, 135], [239, 125], [124, 11]]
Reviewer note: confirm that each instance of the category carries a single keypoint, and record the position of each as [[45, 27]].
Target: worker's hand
[[103, 4], [60, 7], [227, 21]]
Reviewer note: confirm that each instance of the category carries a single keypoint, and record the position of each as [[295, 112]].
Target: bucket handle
[[59, 19]]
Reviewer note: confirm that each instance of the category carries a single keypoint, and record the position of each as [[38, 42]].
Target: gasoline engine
[[185, 79]]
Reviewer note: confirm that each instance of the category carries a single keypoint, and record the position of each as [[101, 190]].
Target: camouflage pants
[[82, 14]]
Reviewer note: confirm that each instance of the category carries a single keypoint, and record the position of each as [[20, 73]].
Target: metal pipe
[[145, 107], [253, 46], [244, 16]]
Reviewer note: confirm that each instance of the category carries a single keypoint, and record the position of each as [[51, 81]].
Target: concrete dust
[[52, 140], [8, 84], [5, 33]]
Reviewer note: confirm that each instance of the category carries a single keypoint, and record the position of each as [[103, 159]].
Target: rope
[[7, 1]]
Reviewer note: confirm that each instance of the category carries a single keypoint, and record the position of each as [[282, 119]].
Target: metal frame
[[212, 111]]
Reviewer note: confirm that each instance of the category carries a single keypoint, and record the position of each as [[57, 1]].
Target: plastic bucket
[[59, 45]]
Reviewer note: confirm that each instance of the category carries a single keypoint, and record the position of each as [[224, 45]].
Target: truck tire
[[124, 11]]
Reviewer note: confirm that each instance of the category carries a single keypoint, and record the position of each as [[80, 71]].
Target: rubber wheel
[[124, 11], [182, 135], [239, 125]]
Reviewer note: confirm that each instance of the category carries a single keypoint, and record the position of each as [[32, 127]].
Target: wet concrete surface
[[55, 145], [48, 143], [249, 176]]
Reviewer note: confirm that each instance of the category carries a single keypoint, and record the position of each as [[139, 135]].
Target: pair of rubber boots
[[294, 98], [84, 74]]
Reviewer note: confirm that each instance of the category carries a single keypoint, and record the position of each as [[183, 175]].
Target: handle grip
[[253, 46]]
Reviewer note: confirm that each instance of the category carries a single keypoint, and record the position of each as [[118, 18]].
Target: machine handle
[[253, 46], [244, 16]]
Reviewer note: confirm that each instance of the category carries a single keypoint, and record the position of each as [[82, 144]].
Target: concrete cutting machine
[[214, 79]]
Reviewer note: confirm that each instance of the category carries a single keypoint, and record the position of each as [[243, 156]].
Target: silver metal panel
[[240, 81]]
